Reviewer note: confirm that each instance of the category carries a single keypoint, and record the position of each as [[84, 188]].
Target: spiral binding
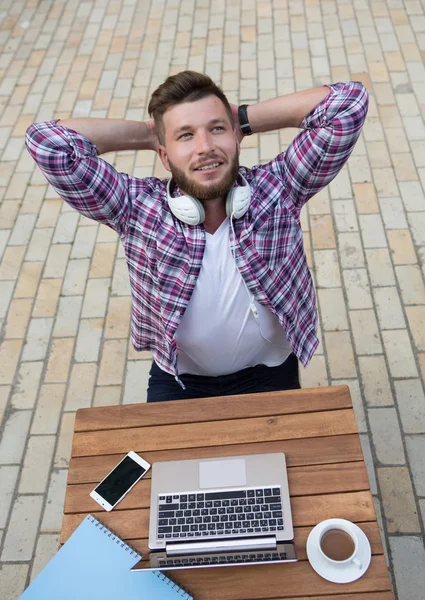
[[173, 585], [127, 548], [113, 537]]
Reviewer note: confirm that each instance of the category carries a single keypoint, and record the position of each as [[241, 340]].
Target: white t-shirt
[[218, 333]]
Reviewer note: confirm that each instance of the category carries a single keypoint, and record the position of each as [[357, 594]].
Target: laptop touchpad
[[222, 473]]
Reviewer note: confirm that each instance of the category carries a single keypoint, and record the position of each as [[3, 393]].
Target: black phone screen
[[117, 483]]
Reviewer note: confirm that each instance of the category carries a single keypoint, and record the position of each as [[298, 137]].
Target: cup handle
[[357, 563]]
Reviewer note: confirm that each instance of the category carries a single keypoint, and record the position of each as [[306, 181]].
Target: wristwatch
[[244, 125]]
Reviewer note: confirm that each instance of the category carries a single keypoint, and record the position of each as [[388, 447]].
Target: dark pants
[[163, 386]]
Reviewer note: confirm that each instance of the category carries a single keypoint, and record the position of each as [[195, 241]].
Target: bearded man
[[221, 292]]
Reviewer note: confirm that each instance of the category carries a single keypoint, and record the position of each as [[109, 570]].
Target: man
[[221, 291]]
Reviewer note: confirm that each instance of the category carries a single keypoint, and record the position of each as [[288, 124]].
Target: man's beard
[[206, 191]]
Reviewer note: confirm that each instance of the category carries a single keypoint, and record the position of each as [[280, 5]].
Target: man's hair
[[186, 86]]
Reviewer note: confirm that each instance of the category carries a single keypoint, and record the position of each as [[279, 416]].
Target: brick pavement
[[65, 304]]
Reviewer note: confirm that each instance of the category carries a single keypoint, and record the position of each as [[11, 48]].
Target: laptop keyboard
[[211, 514], [222, 559]]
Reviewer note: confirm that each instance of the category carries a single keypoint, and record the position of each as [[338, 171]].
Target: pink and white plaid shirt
[[164, 255]]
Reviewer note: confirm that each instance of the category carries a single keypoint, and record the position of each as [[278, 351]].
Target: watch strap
[[244, 125]]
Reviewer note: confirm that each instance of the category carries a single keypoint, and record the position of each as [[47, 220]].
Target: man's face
[[201, 149]]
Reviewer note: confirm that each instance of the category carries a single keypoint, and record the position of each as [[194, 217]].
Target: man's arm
[[285, 111], [112, 135], [331, 118]]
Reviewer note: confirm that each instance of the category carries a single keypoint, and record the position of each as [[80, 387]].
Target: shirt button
[[193, 277]]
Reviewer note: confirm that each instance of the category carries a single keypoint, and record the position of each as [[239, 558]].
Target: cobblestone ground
[[65, 303]]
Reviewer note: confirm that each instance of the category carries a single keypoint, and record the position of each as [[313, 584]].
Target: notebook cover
[[94, 563]]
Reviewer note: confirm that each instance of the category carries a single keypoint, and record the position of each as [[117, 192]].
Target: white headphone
[[190, 210]]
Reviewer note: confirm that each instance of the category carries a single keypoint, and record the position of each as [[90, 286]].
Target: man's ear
[[164, 157]]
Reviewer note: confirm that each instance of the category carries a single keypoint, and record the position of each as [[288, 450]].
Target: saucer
[[346, 572]]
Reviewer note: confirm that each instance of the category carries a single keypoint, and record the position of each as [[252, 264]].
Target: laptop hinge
[[248, 544]]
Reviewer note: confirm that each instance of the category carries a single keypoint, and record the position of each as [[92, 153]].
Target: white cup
[[346, 527]]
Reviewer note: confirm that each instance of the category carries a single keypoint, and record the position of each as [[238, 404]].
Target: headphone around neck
[[190, 210]]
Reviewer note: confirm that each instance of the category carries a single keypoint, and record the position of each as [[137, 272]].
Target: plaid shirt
[[164, 255]]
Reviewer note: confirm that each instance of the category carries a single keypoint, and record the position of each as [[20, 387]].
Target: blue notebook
[[94, 563]]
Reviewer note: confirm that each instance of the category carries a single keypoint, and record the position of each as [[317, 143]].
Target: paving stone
[[112, 363], [402, 250], [136, 381], [67, 316], [120, 281], [53, 512], [66, 228], [372, 231], [36, 467], [18, 318], [340, 355], [48, 410], [345, 216], [37, 339], [399, 353], [416, 318], [47, 546], [39, 245], [29, 278], [327, 269], [75, 277], [26, 386], [21, 233], [322, 232], [118, 317], [393, 213], [415, 445], [365, 332], [63, 450], [357, 288], [315, 374], [7, 291], [389, 308], [388, 446], [399, 503], [88, 340], [411, 284], [81, 385], [22, 531], [107, 395], [9, 357], [84, 242], [9, 477], [417, 226], [411, 404], [12, 580], [332, 309], [368, 458], [380, 267], [47, 298], [11, 263], [408, 556], [14, 437], [350, 250], [57, 260], [96, 298], [4, 396]]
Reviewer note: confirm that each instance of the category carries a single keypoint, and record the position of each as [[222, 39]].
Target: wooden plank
[[326, 450], [216, 433], [261, 582], [212, 409], [303, 481], [306, 511]]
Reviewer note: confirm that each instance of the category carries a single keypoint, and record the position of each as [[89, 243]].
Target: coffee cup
[[338, 543]]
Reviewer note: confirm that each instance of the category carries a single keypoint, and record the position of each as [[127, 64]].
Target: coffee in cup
[[338, 543]]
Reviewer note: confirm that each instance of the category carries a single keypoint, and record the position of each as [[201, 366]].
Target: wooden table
[[316, 429]]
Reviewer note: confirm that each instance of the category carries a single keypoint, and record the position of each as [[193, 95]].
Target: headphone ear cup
[[238, 200], [186, 208]]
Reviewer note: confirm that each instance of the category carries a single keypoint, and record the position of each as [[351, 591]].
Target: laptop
[[218, 512]]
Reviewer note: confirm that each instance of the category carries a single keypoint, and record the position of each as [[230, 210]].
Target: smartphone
[[120, 480]]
